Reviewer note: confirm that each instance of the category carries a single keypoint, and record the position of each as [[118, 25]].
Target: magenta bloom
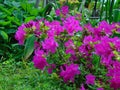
[[69, 72], [65, 10], [105, 27], [85, 49], [103, 48], [50, 44], [20, 34], [90, 79], [73, 58], [57, 12], [70, 51], [115, 82], [89, 39], [36, 44], [39, 60], [69, 43], [54, 28], [82, 87], [114, 73], [72, 25], [51, 67], [100, 88]]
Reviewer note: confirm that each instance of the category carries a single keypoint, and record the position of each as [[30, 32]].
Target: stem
[[101, 10], [81, 6], [111, 10], [106, 9], [44, 2], [37, 3], [94, 10]]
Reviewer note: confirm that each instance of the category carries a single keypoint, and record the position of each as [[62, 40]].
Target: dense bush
[[81, 54]]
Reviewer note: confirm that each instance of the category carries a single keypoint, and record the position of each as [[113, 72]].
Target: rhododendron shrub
[[80, 54]]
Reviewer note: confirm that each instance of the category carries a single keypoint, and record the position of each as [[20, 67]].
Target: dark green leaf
[[4, 35], [29, 46]]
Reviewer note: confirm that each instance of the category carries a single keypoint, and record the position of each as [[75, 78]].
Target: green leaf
[[4, 35], [49, 18], [27, 19], [4, 23], [116, 15], [96, 60], [5, 10], [34, 12], [29, 47]]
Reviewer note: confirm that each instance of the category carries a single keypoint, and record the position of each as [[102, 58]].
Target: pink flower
[[39, 60], [100, 88], [50, 44], [115, 82], [105, 27], [69, 43], [89, 39], [90, 79], [70, 51], [51, 67], [72, 25], [69, 72], [54, 28], [82, 87], [57, 12], [73, 58], [65, 10], [114, 73], [36, 44], [103, 48], [20, 34]]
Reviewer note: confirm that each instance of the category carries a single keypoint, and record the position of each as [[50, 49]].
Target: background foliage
[[21, 74]]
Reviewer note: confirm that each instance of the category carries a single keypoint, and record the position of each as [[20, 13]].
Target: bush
[[84, 55]]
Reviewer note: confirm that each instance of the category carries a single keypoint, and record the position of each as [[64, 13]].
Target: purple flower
[[39, 60], [50, 45], [69, 43], [106, 28], [90, 79], [70, 51], [89, 39], [100, 88], [69, 72], [115, 82], [89, 28], [65, 10], [20, 34], [57, 12], [54, 28], [107, 60], [37, 31], [51, 67], [36, 44], [82, 87], [85, 49], [73, 58], [114, 73], [103, 48], [72, 25]]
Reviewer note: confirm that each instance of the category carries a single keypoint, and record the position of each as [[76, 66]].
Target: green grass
[[17, 76]]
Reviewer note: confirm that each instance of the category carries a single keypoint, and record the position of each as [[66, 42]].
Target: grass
[[15, 76]]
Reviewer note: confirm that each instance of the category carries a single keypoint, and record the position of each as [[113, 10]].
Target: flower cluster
[[60, 49], [39, 59], [69, 72], [63, 11]]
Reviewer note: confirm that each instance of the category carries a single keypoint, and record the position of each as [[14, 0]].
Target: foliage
[[66, 48], [17, 76], [77, 46]]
